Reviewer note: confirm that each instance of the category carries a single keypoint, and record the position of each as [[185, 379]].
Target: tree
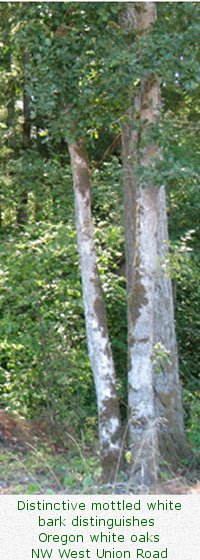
[[95, 316], [155, 405], [26, 141]]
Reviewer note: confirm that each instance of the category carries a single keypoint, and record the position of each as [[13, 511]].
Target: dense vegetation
[[59, 54]]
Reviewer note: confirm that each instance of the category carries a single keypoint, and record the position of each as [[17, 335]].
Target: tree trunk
[[95, 316], [155, 408], [167, 388], [26, 142]]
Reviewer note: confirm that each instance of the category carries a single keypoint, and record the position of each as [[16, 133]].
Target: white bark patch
[[113, 426]]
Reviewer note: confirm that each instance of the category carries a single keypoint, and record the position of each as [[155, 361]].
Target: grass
[[41, 471], [42, 463]]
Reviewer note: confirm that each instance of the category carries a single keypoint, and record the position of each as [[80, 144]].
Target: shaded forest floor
[[35, 460]]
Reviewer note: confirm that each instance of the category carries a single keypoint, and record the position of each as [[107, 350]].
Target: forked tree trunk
[[100, 353], [155, 408]]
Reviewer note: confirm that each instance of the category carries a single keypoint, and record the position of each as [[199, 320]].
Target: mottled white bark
[[95, 316], [167, 388], [141, 339], [154, 389]]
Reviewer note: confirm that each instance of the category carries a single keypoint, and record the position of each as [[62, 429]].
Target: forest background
[[75, 53]]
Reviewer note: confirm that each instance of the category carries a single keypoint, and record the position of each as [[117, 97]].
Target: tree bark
[[155, 407], [99, 348], [167, 387], [26, 142]]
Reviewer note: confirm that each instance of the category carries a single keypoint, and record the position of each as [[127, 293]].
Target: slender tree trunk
[[95, 316], [10, 90], [155, 408], [26, 142], [11, 101]]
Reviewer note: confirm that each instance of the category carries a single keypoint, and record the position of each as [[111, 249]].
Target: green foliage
[[184, 269], [192, 407], [42, 329], [44, 362], [161, 357]]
